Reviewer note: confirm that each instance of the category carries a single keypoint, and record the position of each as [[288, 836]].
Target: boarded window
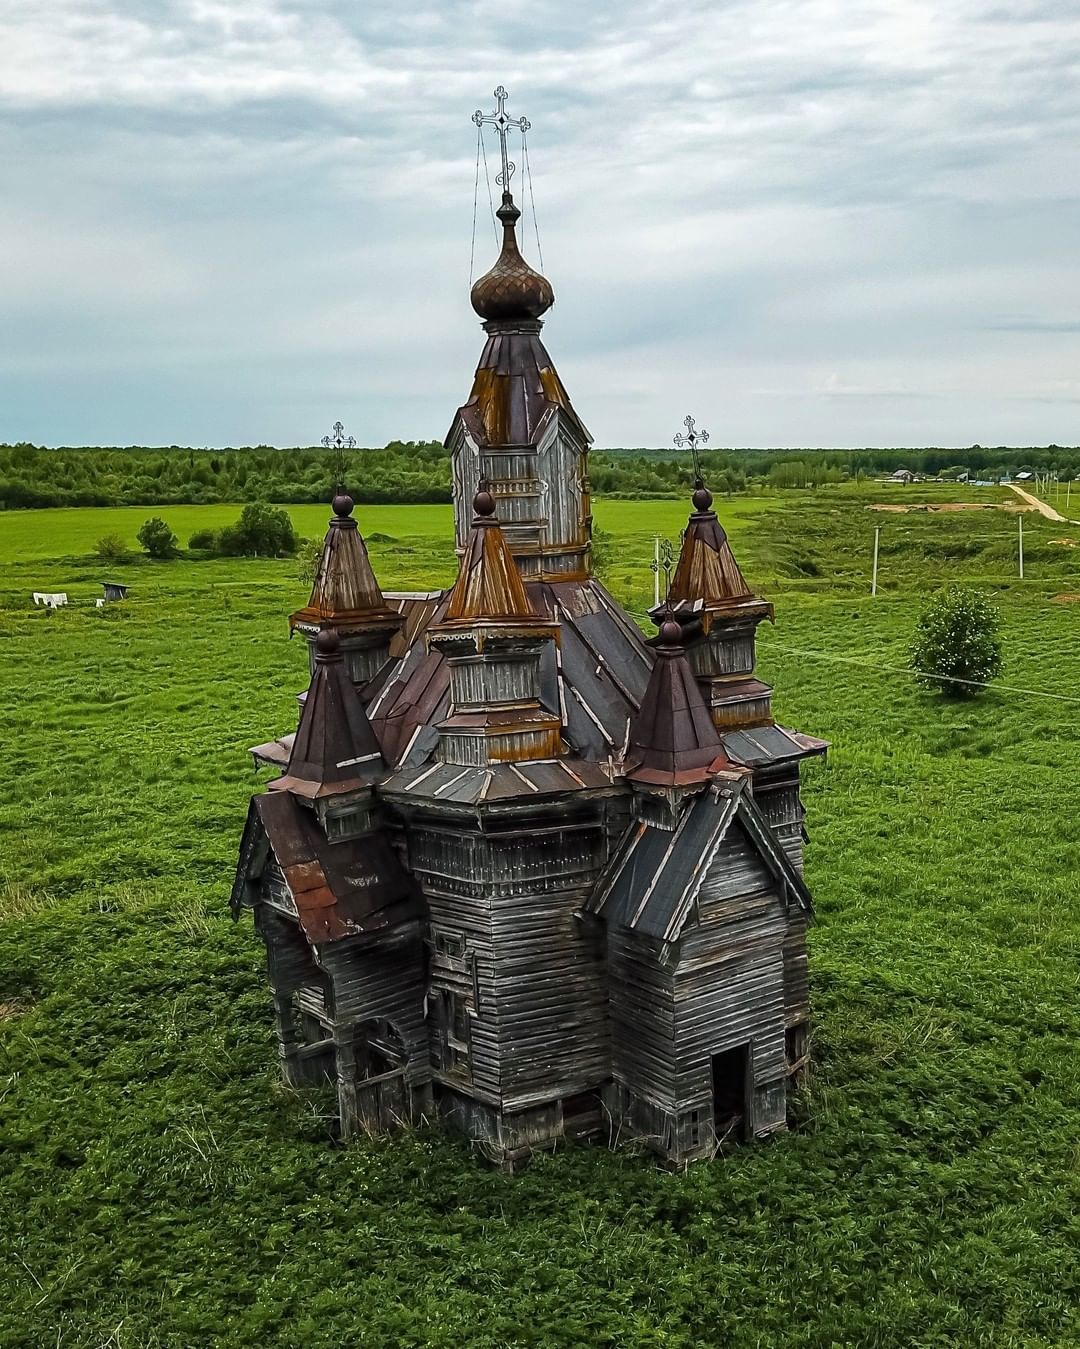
[[797, 1046]]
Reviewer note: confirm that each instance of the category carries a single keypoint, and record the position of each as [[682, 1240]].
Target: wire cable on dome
[[475, 198], [487, 176], [532, 201]]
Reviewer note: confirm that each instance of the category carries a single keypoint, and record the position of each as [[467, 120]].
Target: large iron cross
[[502, 123], [692, 438], [340, 442]]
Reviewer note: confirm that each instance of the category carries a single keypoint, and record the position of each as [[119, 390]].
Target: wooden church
[[525, 871]]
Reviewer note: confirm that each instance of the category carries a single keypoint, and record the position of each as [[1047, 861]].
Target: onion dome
[[511, 290]]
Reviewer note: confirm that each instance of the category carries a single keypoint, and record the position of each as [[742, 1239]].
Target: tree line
[[405, 472]]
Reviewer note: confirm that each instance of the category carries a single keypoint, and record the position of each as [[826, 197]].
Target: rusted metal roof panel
[[497, 783], [274, 752], [489, 584], [515, 389], [769, 744], [353, 888]]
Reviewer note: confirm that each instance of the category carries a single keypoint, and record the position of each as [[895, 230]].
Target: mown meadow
[[160, 1187]]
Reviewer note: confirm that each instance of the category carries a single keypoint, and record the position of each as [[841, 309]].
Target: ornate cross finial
[[692, 438], [502, 123], [340, 442]]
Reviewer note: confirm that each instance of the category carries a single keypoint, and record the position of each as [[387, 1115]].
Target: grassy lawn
[[159, 1186]]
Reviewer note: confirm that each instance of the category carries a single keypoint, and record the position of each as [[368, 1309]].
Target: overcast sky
[[808, 222]]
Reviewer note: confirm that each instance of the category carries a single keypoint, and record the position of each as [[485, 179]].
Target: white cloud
[[812, 221]]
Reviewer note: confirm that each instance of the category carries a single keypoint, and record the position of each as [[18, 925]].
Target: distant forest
[[409, 472]]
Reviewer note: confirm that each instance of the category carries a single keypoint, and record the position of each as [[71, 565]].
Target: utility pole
[[877, 540], [1021, 519]]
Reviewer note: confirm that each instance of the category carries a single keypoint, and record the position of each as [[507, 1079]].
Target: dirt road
[[1041, 506]]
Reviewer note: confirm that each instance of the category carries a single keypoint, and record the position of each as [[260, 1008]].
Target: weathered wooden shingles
[[602, 667], [706, 948]]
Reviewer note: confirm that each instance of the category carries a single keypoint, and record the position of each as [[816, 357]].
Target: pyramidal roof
[[672, 738], [346, 594], [335, 749], [707, 570], [489, 585]]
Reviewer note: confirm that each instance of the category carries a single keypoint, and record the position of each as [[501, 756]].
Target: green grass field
[[159, 1186]]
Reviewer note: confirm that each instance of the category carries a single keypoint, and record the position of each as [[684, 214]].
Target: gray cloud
[[814, 224]]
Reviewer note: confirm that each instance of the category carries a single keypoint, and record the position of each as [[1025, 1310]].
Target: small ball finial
[[670, 632], [484, 503], [342, 505], [702, 497], [327, 643]]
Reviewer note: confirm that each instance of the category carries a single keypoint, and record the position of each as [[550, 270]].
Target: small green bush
[[204, 540], [261, 531], [158, 539], [111, 548], [307, 560], [956, 639]]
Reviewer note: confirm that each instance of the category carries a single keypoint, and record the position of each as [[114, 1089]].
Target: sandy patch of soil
[[1067, 599], [934, 508]]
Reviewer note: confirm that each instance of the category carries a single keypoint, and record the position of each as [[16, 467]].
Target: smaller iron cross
[[666, 561], [340, 442], [692, 438], [502, 123]]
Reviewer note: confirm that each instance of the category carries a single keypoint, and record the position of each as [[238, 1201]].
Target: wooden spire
[[335, 749], [707, 570], [346, 595], [673, 741], [489, 585]]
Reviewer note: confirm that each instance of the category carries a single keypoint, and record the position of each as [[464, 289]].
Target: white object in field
[[99, 604], [50, 601]]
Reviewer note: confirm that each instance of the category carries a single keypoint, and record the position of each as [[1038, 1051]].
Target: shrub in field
[[157, 538], [204, 540], [956, 639], [262, 530], [111, 548], [307, 560]]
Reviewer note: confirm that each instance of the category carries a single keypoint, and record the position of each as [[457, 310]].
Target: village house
[[524, 870]]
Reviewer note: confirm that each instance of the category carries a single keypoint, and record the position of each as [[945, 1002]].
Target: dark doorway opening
[[731, 1094]]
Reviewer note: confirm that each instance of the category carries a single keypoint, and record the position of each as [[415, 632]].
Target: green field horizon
[[160, 1187]]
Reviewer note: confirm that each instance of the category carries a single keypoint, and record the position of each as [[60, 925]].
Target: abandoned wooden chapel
[[523, 870]]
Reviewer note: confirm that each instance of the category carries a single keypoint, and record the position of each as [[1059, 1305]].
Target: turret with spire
[[492, 640], [518, 430], [720, 614], [346, 598]]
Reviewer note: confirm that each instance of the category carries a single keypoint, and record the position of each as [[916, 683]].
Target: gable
[[654, 882]]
